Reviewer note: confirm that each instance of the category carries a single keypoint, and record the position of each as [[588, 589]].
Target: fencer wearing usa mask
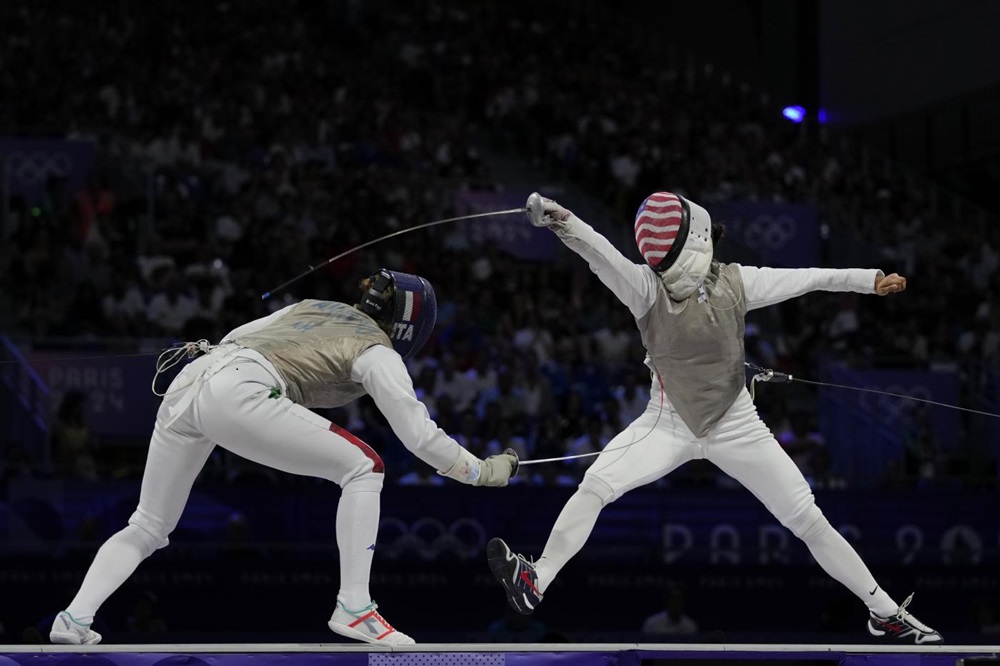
[[690, 312], [250, 395]]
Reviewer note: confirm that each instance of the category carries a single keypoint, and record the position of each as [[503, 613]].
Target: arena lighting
[[794, 113]]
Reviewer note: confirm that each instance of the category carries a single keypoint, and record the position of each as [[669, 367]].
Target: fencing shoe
[[67, 631], [366, 625], [903, 626], [516, 574]]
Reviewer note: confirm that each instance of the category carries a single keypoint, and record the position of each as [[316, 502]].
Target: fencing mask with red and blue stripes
[[405, 305], [674, 236]]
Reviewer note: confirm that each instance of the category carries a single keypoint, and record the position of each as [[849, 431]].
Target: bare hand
[[889, 284]]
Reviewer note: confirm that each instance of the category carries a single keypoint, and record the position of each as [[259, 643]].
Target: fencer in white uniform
[[251, 394], [690, 312]]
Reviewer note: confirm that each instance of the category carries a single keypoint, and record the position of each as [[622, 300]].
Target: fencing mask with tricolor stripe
[[674, 236], [404, 305]]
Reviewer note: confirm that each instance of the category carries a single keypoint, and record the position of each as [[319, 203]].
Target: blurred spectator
[[530, 336], [508, 398], [470, 434], [611, 413], [506, 438], [72, 444], [615, 340], [124, 306], [482, 376], [673, 619], [570, 419], [425, 389], [421, 475], [632, 398], [803, 445], [204, 320], [592, 441], [823, 475], [844, 326], [980, 266], [921, 456], [758, 350], [454, 384], [169, 310], [589, 376], [91, 265], [536, 391]]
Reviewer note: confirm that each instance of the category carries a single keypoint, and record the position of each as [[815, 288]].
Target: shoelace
[[525, 560], [382, 619], [531, 565], [905, 616], [373, 609]]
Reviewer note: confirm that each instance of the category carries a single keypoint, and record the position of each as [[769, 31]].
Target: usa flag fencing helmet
[[674, 237]]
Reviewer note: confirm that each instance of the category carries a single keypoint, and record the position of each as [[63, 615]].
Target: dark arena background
[[165, 163]]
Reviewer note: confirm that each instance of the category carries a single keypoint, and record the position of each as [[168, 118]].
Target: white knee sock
[[357, 527], [842, 562], [114, 563], [568, 535]]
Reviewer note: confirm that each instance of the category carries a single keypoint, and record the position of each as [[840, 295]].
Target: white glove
[[544, 212], [494, 471], [497, 470]]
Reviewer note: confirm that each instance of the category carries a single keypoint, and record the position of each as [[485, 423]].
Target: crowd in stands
[[242, 142]]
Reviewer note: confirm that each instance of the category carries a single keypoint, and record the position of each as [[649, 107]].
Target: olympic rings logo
[[429, 538], [889, 406], [34, 168], [765, 232], [962, 545]]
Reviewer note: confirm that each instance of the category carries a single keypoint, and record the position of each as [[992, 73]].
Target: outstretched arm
[[768, 286], [633, 284], [383, 374]]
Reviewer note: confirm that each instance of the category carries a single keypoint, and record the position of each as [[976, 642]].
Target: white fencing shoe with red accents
[[902, 626], [366, 625]]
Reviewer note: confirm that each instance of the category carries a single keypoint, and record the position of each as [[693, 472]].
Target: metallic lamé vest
[[313, 347], [696, 348]]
